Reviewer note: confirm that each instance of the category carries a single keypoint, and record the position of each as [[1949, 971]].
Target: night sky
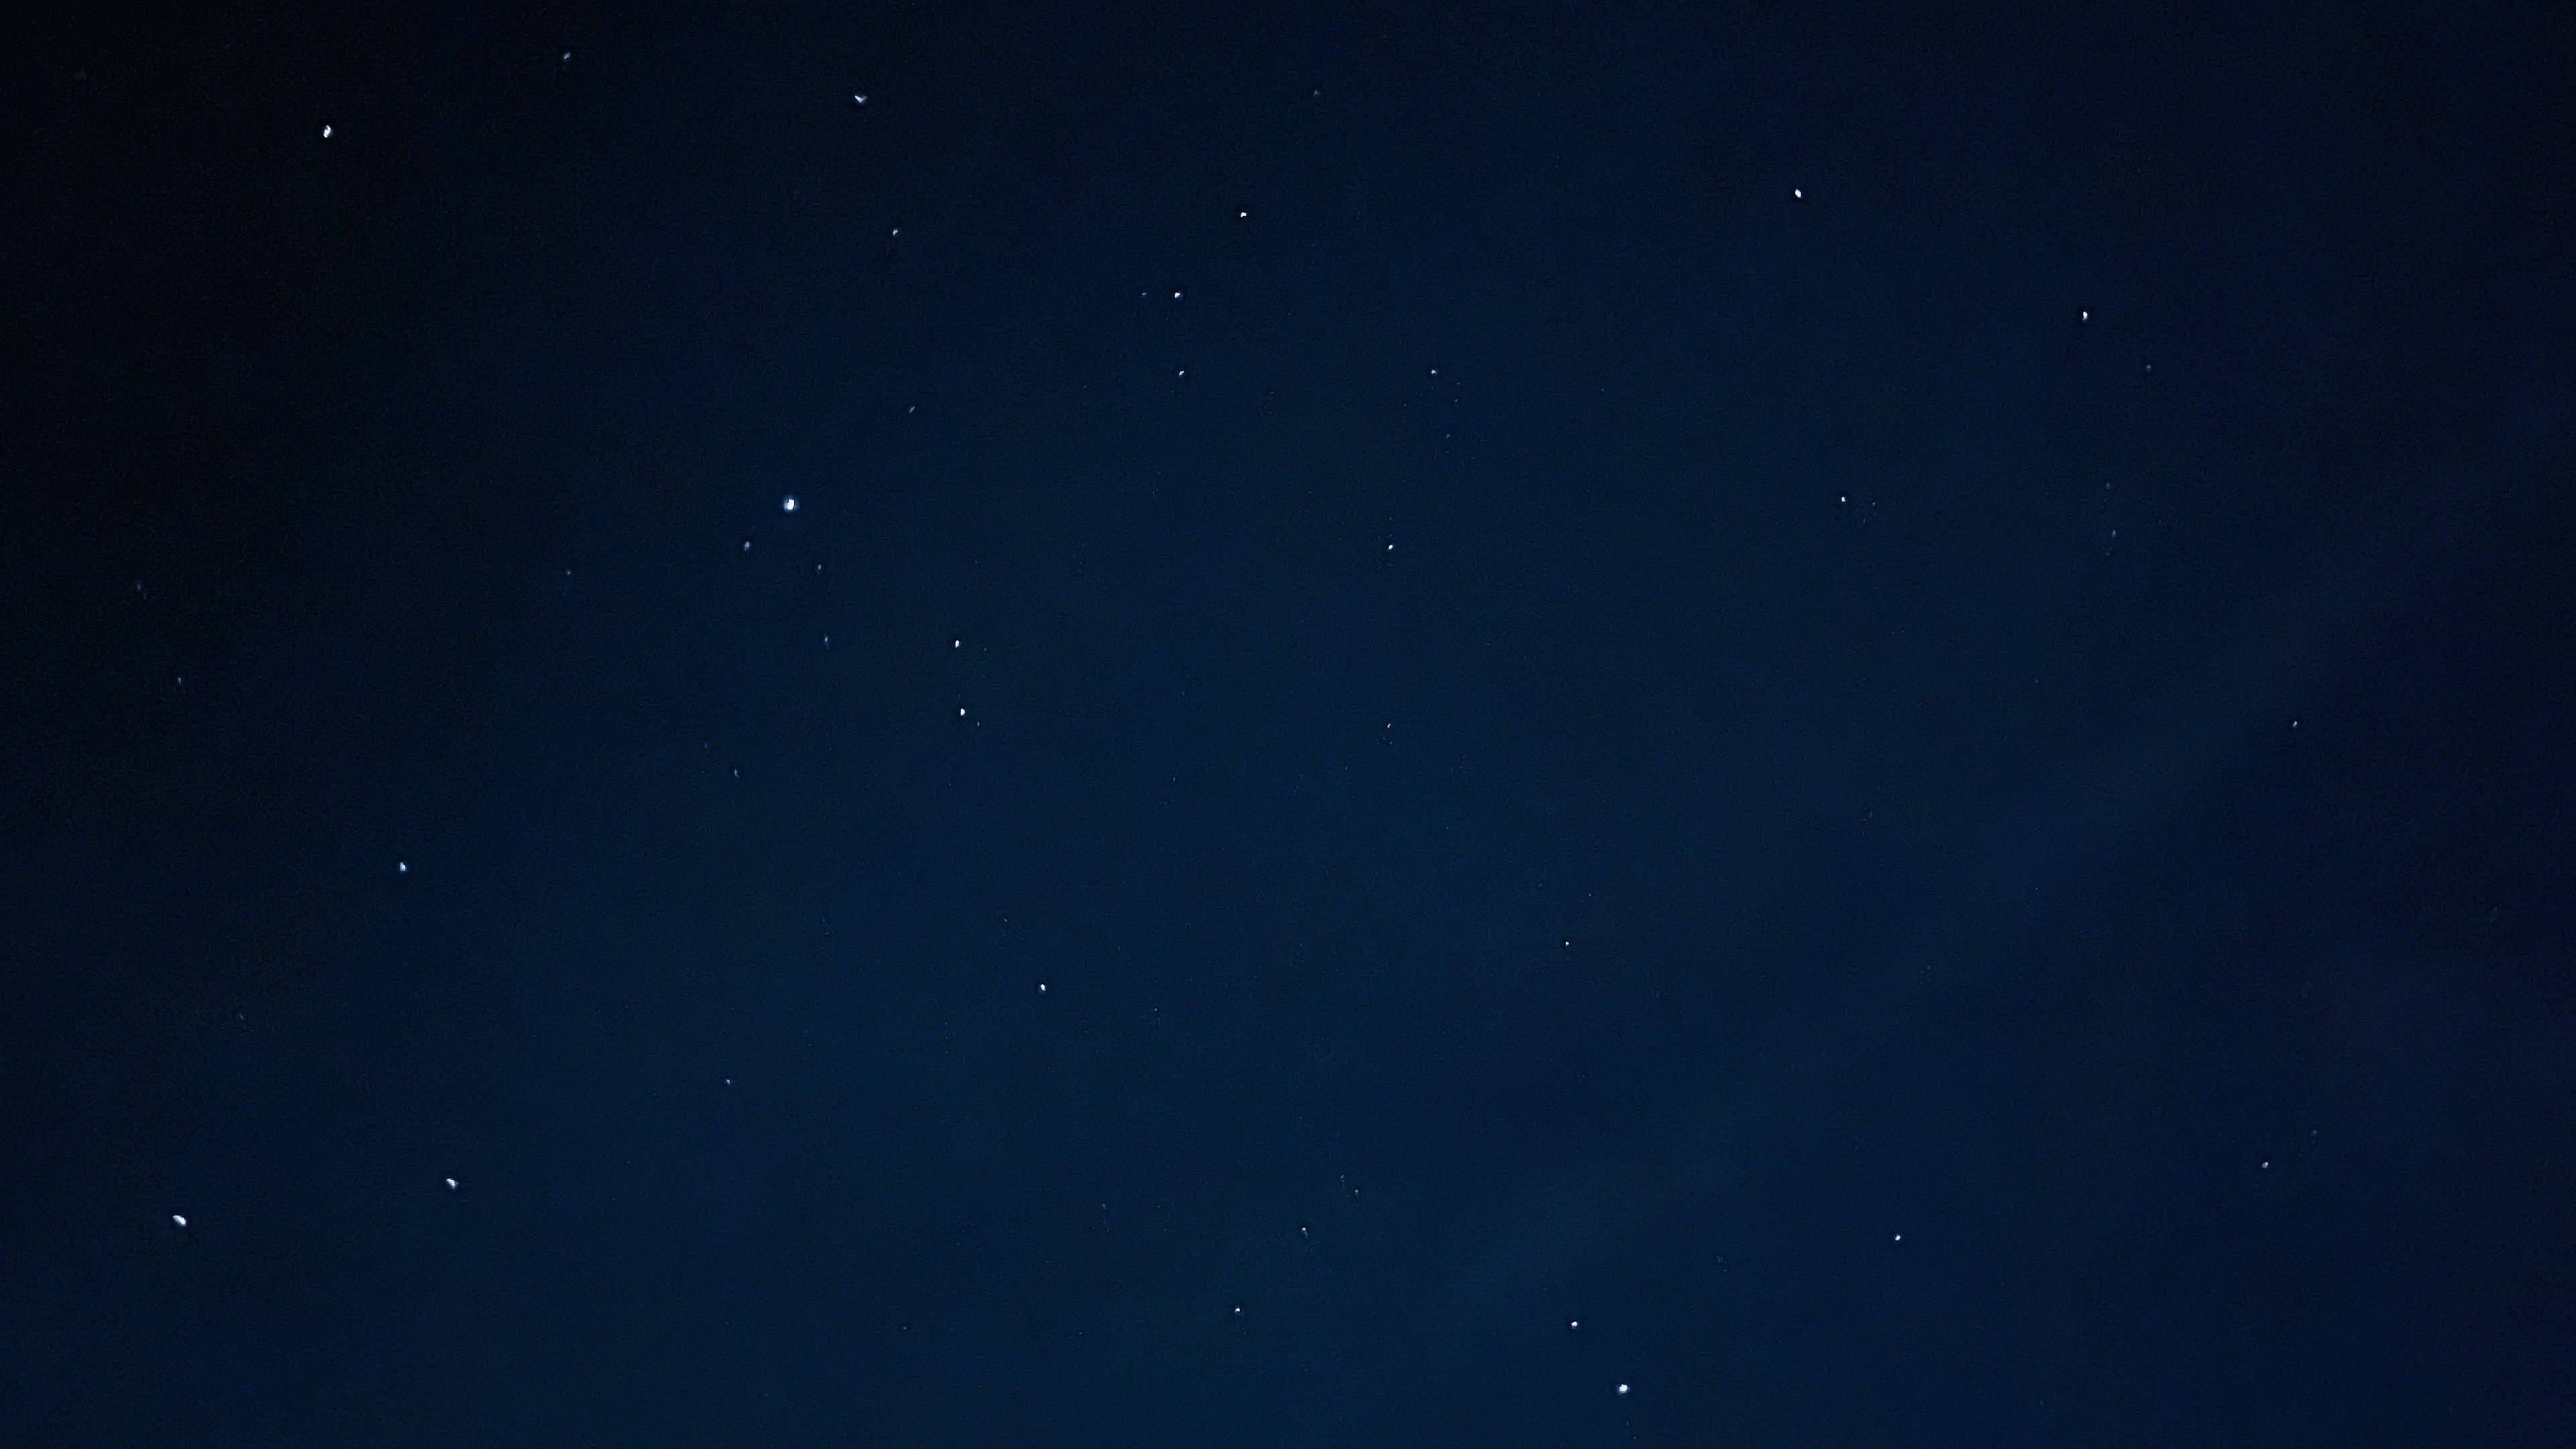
[[1365, 724]]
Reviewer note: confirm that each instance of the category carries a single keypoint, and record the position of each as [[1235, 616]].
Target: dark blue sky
[[1860, 717]]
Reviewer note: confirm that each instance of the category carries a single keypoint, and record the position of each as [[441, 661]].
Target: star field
[[1661, 726]]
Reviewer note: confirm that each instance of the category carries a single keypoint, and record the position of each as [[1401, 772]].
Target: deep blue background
[[1940, 809]]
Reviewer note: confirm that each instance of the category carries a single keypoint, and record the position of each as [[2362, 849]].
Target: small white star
[[1900, 1237], [178, 1221], [787, 504], [326, 131], [451, 1184], [1796, 195], [1623, 1389], [961, 712], [1041, 988], [2083, 316], [857, 99], [402, 867]]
